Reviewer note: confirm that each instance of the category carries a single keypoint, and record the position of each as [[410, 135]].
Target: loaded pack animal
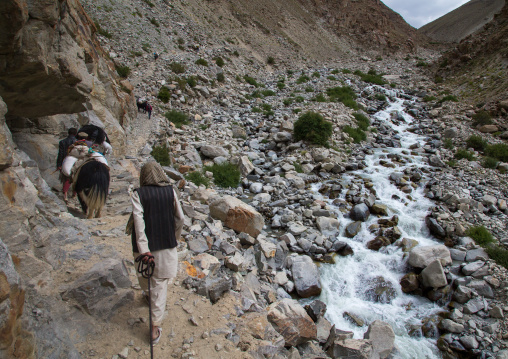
[[91, 183], [98, 136], [142, 104]]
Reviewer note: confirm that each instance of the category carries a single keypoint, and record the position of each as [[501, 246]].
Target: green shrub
[[451, 98], [499, 151], [297, 110], [270, 60], [309, 89], [476, 142], [482, 118], [192, 81], [201, 62], [225, 175], [281, 85], [268, 93], [429, 98], [177, 67], [298, 167], [123, 71], [164, 94], [421, 64], [178, 118], [452, 163], [180, 41], [362, 120], [154, 22], [380, 97], [316, 74], [302, 79], [331, 78], [235, 53], [346, 71], [463, 153], [256, 110], [101, 31], [287, 101], [371, 77], [498, 254], [489, 162], [312, 127], [481, 235], [299, 99], [448, 143], [357, 134], [146, 47], [251, 81], [344, 94], [438, 79], [198, 178], [219, 61], [320, 98], [161, 155], [220, 77]]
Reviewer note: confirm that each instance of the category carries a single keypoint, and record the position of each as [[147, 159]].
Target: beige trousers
[[158, 296]]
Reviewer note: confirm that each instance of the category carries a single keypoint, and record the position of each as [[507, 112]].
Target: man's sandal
[[156, 340]]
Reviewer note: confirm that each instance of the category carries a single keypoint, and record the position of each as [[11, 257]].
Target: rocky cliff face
[[50, 63]]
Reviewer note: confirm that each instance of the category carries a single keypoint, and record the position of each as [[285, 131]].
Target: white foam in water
[[345, 283]]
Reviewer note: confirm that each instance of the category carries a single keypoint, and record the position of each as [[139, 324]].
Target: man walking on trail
[[63, 147], [149, 110], [158, 221]]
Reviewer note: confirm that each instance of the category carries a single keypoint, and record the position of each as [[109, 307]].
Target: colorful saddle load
[[80, 151]]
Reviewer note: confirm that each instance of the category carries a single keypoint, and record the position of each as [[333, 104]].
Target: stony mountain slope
[[463, 21], [476, 68]]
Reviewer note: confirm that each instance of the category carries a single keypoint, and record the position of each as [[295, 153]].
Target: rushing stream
[[347, 284]]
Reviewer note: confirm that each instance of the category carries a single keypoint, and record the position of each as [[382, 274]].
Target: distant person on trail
[[63, 148], [155, 56], [149, 110], [157, 225]]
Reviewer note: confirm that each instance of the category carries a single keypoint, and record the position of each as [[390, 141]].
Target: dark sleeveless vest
[[159, 216]]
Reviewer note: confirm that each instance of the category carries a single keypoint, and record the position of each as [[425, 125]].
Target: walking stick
[[145, 267]]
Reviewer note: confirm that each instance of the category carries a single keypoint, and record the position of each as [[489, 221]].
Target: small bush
[[219, 61], [123, 71], [331, 78], [287, 101], [499, 151], [438, 79], [320, 98], [154, 22], [380, 97], [481, 235], [225, 175], [198, 178], [177, 67], [268, 93], [178, 118], [452, 163], [281, 85], [251, 81], [302, 79], [429, 98], [102, 32], [256, 110], [298, 167], [299, 99], [447, 98], [482, 118], [421, 64], [498, 254], [220, 77], [270, 60], [489, 162], [371, 77], [309, 89], [357, 134], [362, 120], [334, 72], [180, 41], [448, 143], [463, 153], [164, 94], [161, 155], [346, 71], [201, 62], [476, 142], [146, 47], [344, 94], [316, 74], [312, 127], [192, 81]]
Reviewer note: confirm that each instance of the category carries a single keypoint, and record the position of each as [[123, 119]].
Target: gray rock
[[360, 212], [433, 275], [482, 288], [214, 287], [470, 268], [353, 228], [476, 255], [469, 342], [290, 320], [474, 306], [382, 338], [435, 161], [496, 312], [328, 226], [214, 151], [421, 257], [351, 348], [451, 326], [462, 294], [435, 228], [306, 276], [198, 245]]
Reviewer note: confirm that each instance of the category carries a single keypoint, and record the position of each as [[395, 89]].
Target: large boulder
[[237, 215], [244, 164], [433, 275], [306, 276], [360, 212], [382, 338], [350, 348], [103, 289], [421, 257], [291, 320], [327, 225], [214, 151]]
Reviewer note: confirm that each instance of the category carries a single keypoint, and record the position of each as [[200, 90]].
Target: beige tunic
[[166, 260]]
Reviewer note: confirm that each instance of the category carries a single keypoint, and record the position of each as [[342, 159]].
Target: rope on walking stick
[[146, 268]]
